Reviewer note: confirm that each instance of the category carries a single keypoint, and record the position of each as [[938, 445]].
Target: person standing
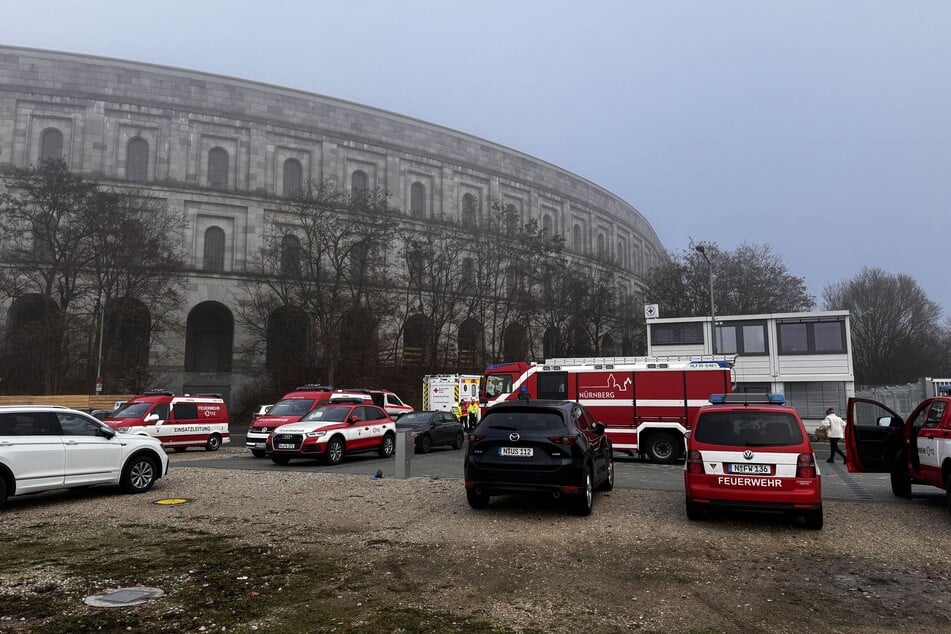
[[473, 414], [523, 394], [836, 428]]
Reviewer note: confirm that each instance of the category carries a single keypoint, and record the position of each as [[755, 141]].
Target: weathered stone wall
[[100, 104]]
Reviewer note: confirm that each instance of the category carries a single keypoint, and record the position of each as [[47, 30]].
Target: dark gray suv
[[551, 448]]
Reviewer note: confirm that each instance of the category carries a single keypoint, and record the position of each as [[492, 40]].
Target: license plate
[[285, 445], [518, 452], [759, 469], [259, 445]]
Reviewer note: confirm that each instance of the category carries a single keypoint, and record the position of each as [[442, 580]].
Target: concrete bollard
[[405, 448]]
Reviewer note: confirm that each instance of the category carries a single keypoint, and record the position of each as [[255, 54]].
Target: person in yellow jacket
[[456, 410], [473, 414]]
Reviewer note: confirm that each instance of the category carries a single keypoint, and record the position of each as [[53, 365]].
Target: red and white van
[[179, 422]]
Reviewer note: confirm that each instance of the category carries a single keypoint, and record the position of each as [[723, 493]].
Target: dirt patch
[[255, 551]]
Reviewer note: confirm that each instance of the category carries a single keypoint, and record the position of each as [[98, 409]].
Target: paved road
[[837, 483]]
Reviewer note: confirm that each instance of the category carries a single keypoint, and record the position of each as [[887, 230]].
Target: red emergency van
[[646, 403], [199, 420]]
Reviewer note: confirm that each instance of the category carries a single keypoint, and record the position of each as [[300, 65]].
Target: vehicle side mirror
[[107, 432], [887, 421], [151, 418], [599, 428], [353, 418]]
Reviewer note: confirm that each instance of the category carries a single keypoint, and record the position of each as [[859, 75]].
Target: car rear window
[[523, 421], [292, 407], [748, 429]]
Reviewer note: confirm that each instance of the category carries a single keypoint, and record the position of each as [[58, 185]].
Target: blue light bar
[[748, 398]]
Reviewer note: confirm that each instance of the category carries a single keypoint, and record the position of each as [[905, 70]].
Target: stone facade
[[99, 105]]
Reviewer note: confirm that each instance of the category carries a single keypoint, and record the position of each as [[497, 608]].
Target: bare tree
[[325, 259], [896, 336], [72, 253], [750, 280]]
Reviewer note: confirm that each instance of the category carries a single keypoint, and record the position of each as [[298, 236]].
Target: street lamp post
[[713, 317]]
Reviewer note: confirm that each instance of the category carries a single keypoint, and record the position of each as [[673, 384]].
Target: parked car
[[386, 399], [552, 448], [43, 448], [289, 409], [332, 431], [431, 429], [751, 451], [913, 451]]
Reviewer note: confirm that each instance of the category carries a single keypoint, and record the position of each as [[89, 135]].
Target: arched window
[[359, 181], [209, 335], [137, 160], [359, 263], [293, 177], [290, 255], [417, 335], [287, 343], [511, 218], [547, 225], [515, 343], [469, 210], [214, 259], [602, 247], [576, 239], [417, 200], [470, 342], [51, 144], [218, 168]]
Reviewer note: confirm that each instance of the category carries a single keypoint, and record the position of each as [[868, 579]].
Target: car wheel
[[139, 474], [901, 485], [179, 449], [388, 446], [814, 519], [476, 499], [585, 502], [694, 511], [608, 483], [460, 439], [425, 444], [335, 450], [214, 443], [258, 453], [282, 460], [662, 447]]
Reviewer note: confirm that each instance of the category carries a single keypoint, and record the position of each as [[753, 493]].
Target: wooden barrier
[[76, 401]]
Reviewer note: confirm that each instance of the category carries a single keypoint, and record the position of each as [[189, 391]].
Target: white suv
[[43, 448]]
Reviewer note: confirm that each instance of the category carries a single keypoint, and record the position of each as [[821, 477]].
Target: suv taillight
[[694, 462], [563, 440], [806, 466], [475, 437]]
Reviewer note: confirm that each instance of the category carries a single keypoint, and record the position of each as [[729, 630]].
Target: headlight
[[316, 434]]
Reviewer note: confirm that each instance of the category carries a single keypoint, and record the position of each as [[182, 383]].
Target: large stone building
[[227, 151]]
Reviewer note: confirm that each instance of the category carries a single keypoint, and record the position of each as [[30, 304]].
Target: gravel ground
[[520, 565]]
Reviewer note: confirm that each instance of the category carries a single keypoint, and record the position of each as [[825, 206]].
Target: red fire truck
[[646, 403]]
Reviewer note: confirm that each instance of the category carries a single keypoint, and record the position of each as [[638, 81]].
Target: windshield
[[328, 413], [496, 384], [133, 410], [291, 407], [748, 429]]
